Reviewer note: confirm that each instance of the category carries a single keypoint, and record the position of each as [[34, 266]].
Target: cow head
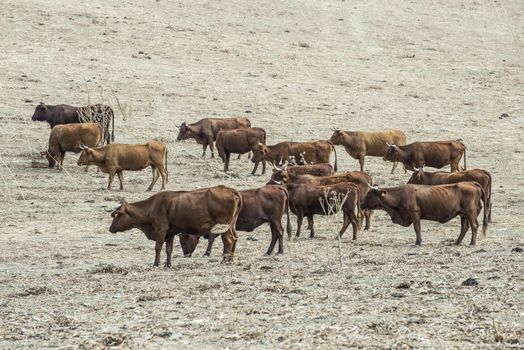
[[373, 198], [122, 221], [279, 175], [336, 138], [392, 153], [51, 158], [260, 153], [86, 157], [184, 132], [417, 177], [40, 113], [188, 243]]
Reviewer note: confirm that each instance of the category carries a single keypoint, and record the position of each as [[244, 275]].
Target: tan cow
[[359, 144], [116, 157], [70, 138]]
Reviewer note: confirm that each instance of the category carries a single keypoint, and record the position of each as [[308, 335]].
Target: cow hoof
[[206, 254]]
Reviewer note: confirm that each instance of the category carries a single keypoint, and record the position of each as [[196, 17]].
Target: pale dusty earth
[[437, 70]]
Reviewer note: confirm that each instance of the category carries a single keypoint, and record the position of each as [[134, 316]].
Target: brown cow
[[483, 177], [309, 200], [361, 179], [116, 157], [165, 214], [71, 138], [259, 205], [295, 153], [65, 114], [281, 175], [409, 204], [240, 141], [360, 144], [435, 154], [205, 130]]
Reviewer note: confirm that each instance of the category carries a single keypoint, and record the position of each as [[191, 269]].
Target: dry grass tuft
[[109, 269]]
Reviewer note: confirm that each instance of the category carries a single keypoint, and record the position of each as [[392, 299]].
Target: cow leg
[[394, 167], [416, 225], [345, 225], [263, 167], [163, 173], [204, 147], [239, 155], [226, 162], [464, 227], [361, 161], [367, 214], [156, 175], [300, 218], [158, 250], [211, 147], [87, 167], [228, 239], [311, 228], [112, 172], [210, 241], [276, 234], [473, 222], [121, 179], [169, 249], [255, 169]]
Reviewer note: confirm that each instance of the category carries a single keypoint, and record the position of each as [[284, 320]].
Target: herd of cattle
[[302, 180]]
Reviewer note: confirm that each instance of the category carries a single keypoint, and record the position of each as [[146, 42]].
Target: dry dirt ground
[[435, 69]]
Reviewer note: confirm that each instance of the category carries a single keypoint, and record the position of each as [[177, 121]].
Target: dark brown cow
[[65, 114], [359, 144], [205, 130], [435, 154], [114, 158], [168, 213], [281, 175], [483, 177], [361, 179], [408, 204], [71, 138], [295, 153], [305, 200], [240, 141], [260, 205]]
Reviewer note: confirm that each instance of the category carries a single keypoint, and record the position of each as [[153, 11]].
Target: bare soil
[[437, 70]]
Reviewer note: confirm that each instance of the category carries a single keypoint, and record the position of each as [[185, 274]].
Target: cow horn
[[82, 147], [277, 182], [388, 144], [260, 144], [416, 169]]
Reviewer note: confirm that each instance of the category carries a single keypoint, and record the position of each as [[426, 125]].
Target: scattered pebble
[[503, 115], [404, 285], [470, 282], [517, 250]]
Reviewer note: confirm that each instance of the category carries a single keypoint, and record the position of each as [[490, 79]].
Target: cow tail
[[485, 219], [488, 195], [234, 218], [359, 210], [289, 229], [334, 151], [462, 142], [165, 165], [113, 124]]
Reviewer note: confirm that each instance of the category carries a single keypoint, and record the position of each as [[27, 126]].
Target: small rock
[[470, 282], [397, 295], [504, 115], [28, 100], [517, 250], [247, 111], [404, 285]]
